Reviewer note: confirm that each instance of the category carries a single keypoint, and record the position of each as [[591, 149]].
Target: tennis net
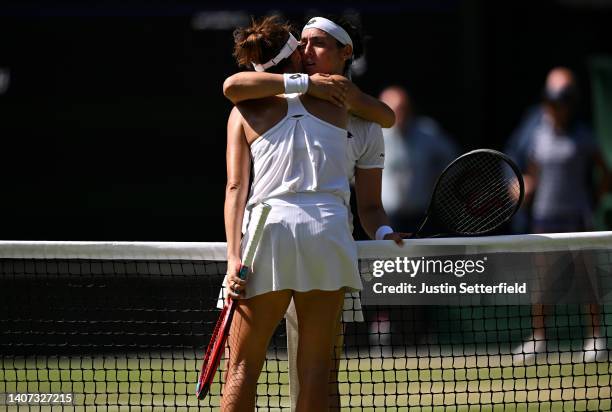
[[124, 325]]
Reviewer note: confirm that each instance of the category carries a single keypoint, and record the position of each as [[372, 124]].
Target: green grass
[[483, 383]]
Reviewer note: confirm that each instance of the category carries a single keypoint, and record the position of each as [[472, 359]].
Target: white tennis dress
[[300, 170]]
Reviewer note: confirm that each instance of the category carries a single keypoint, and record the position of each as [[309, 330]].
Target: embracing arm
[[371, 212], [236, 190], [369, 108], [357, 102], [252, 85], [256, 85], [333, 88]]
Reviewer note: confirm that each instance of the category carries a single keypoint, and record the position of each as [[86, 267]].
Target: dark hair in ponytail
[[261, 41]]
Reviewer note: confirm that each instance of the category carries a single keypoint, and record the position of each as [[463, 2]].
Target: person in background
[[417, 151], [559, 154]]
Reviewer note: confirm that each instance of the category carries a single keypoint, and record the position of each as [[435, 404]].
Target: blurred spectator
[[558, 154], [416, 151], [561, 155], [517, 148], [552, 144]]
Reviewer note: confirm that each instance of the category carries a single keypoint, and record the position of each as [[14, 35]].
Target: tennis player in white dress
[[321, 39], [365, 151], [299, 150], [307, 243]]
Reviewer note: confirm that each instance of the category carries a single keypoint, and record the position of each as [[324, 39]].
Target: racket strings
[[504, 210], [489, 191], [469, 221], [504, 207], [473, 226], [467, 188]]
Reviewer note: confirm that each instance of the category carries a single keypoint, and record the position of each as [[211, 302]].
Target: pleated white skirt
[[306, 245]]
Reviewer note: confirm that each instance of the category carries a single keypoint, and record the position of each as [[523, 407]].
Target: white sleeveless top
[[300, 169], [300, 154]]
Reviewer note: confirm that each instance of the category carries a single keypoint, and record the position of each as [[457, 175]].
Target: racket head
[[477, 193], [214, 350], [216, 346]]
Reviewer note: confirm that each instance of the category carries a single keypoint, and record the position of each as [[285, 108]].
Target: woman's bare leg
[[318, 313], [333, 383], [254, 323]]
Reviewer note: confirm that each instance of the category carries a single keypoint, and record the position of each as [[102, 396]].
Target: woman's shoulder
[[272, 106], [259, 116], [324, 110]]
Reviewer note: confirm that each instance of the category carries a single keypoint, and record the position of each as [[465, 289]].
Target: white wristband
[[382, 231], [295, 83]]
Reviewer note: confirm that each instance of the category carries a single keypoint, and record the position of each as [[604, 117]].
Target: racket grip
[[244, 271]]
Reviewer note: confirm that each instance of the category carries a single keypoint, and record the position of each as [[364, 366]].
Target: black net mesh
[[131, 333]]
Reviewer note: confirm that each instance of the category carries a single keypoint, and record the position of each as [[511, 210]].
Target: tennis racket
[[476, 194], [216, 346]]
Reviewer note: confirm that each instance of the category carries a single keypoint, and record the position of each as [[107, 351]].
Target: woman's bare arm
[[256, 85], [252, 85], [368, 183], [333, 88], [369, 108], [362, 104], [236, 190]]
